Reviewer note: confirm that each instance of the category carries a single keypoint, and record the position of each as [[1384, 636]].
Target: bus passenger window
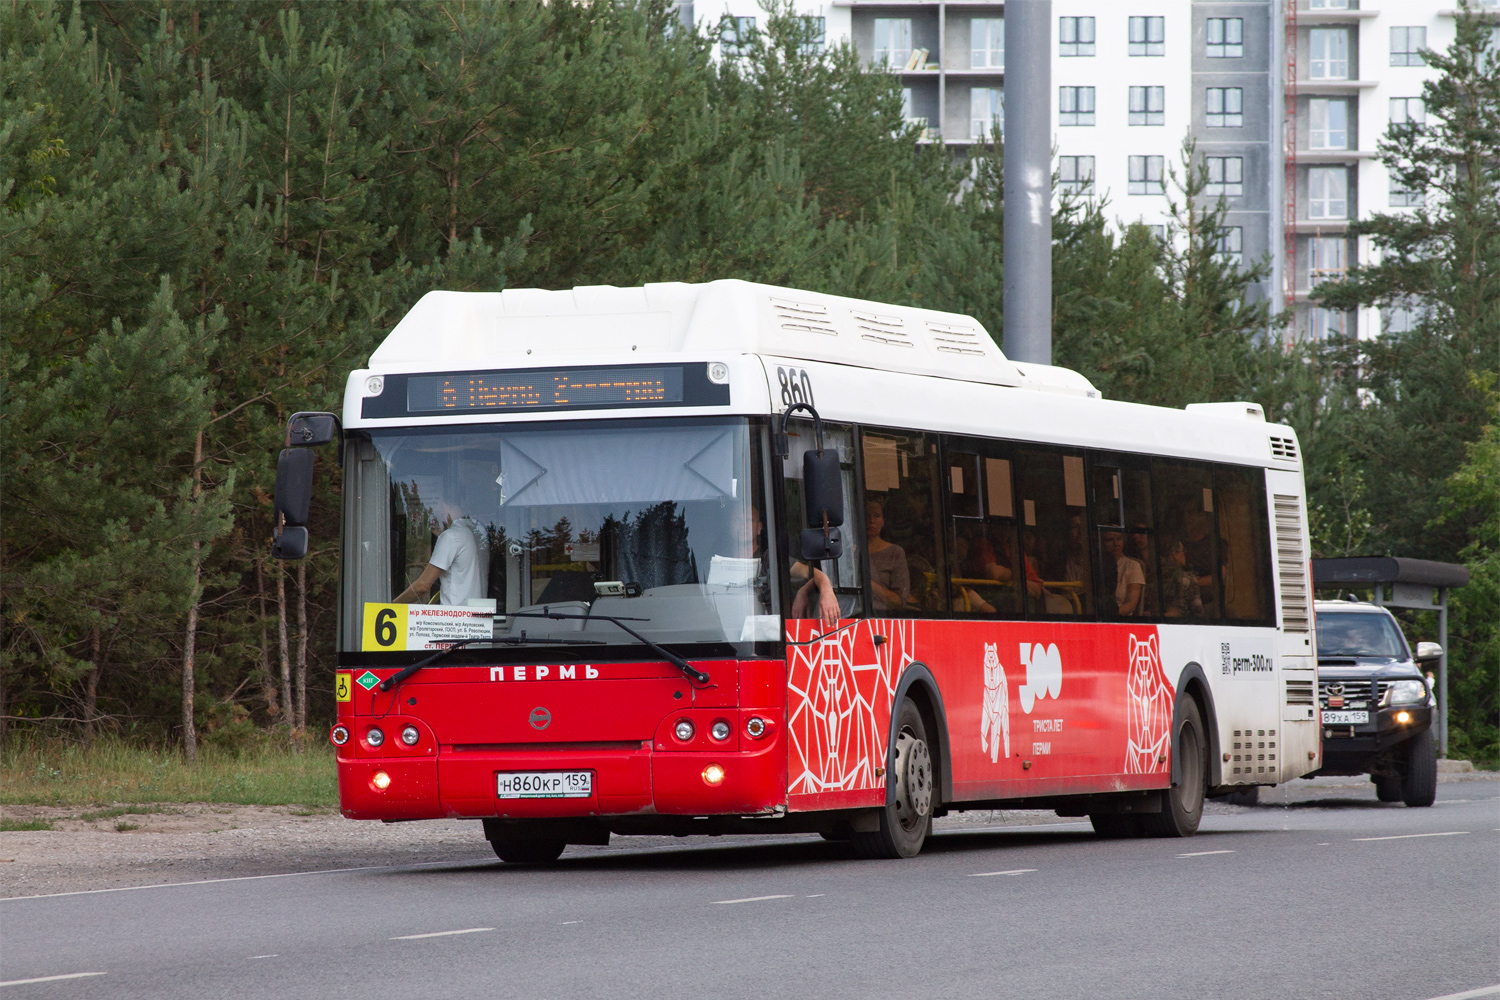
[[983, 552], [1126, 540], [1050, 488], [1185, 501], [901, 505], [1244, 543]]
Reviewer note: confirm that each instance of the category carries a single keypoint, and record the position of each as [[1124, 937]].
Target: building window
[[1406, 46], [1327, 193], [1408, 109], [1148, 36], [1231, 246], [1225, 107], [892, 41], [1226, 37], [1075, 105], [1329, 50], [1159, 232], [814, 34], [1403, 316], [1226, 177], [1327, 4], [1401, 196], [1328, 124], [1327, 324], [1146, 175], [1148, 105], [987, 43], [986, 111], [1326, 259], [1075, 36], [735, 34], [1076, 174]]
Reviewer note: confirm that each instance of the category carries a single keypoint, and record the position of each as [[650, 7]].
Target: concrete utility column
[[1028, 181]]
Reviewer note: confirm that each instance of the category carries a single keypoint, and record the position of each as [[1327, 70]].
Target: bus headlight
[[713, 774], [374, 736], [719, 730], [1407, 692], [410, 736], [380, 780], [684, 729]]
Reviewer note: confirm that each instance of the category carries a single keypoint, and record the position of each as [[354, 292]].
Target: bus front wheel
[[906, 819], [1182, 804]]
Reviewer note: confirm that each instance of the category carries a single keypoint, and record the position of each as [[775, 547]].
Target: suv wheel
[[1387, 786], [1420, 786]]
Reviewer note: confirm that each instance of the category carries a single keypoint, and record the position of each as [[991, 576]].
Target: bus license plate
[[1344, 718], [545, 784]]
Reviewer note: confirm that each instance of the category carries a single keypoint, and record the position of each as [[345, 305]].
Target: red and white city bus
[[578, 598]]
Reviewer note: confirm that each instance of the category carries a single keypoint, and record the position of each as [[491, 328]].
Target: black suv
[[1376, 705]]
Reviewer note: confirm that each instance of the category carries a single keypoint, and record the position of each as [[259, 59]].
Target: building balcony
[[1317, 18], [1314, 157], [1325, 227], [1313, 88]]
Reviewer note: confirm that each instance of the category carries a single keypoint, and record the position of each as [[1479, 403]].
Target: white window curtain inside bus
[[625, 465]]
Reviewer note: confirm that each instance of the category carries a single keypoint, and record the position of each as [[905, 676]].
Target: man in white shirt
[[460, 562], [1130, 579]]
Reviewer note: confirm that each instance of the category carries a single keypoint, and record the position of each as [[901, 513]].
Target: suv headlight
[[1406, 692]]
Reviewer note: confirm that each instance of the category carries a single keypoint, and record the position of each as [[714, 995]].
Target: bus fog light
[[720, 730], [338, 736], [713, 774], [684, 730], [380, 780], [718, 373], [1403, 716], [755, 727], [374, 385], [374, 736], [410, 736]]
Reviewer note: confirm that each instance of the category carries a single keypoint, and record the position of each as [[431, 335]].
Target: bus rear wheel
[[1182, 804], [516, 850], [906, 820]]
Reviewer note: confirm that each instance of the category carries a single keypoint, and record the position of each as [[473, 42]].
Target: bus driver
[[460, 561]]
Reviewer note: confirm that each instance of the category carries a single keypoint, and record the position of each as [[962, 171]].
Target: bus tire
[[1420, 786], [1387, 786], [517, 851], [1182, 804], [906, 819], [1115, 826]]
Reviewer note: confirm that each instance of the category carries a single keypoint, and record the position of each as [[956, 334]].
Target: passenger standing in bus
[[890, 581], [1179, 588], [460, 561], [1130, 579]]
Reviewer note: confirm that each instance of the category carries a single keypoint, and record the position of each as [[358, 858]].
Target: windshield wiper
[[666, 654], [505, 640]]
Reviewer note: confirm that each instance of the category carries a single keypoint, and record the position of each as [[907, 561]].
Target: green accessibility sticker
[[367, 680]]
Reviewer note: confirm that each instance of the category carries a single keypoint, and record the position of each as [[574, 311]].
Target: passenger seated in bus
[[1050, 601], [977, 557], [1179, 589], [1076, 568], [1138, 547], [890, 580], [459, 564], [1198, 547], [1130, 579]]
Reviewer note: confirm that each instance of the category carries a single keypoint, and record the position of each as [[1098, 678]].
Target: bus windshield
[[659, 522]]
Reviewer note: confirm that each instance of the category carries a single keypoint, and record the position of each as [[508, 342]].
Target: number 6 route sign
[[392, 627]]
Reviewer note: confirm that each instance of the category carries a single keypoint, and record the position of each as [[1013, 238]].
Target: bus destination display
[[545, 389]]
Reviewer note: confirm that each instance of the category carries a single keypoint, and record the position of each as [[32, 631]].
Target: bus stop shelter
[[1421, 584]]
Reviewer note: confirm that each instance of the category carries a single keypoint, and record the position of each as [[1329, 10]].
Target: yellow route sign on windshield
[[400, 627]]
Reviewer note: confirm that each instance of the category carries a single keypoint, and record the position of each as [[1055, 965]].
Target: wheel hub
[[913, 778]]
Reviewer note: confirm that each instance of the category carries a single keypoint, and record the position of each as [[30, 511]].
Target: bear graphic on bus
[[994, 716]]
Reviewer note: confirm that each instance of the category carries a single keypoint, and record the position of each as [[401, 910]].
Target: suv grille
[[1356, 694]]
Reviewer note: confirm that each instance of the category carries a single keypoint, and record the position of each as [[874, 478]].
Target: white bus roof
[[458, 331]]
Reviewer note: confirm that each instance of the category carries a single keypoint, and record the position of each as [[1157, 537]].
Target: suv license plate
[[544, 784], [1344, 718]]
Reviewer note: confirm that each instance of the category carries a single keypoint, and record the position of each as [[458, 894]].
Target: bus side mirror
[[294, 483], [817, 546], [822, 489], [290, 544], [309, 429]]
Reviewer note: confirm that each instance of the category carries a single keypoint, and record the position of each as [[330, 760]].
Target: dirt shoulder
[[124, 845]]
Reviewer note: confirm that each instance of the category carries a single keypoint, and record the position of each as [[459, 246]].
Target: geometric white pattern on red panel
[[1148, 709], [839, 692]]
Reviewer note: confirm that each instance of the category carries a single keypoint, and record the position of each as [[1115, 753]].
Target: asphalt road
[[1337, 897]]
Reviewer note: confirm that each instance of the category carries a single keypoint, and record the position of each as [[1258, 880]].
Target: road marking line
[[48, 979], [1203, 854], [1013, 871], [204, 881], [418, 937], [1411, 836], [815, 895], [567, 922], [1324, 844], [254, 957], [1484, 991], [748, 899]]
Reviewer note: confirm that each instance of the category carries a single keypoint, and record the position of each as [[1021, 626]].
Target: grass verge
[[268, 773]]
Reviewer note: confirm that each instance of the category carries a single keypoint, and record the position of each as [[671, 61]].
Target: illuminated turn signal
[[380, 780], [713, 774], [338, 735]]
